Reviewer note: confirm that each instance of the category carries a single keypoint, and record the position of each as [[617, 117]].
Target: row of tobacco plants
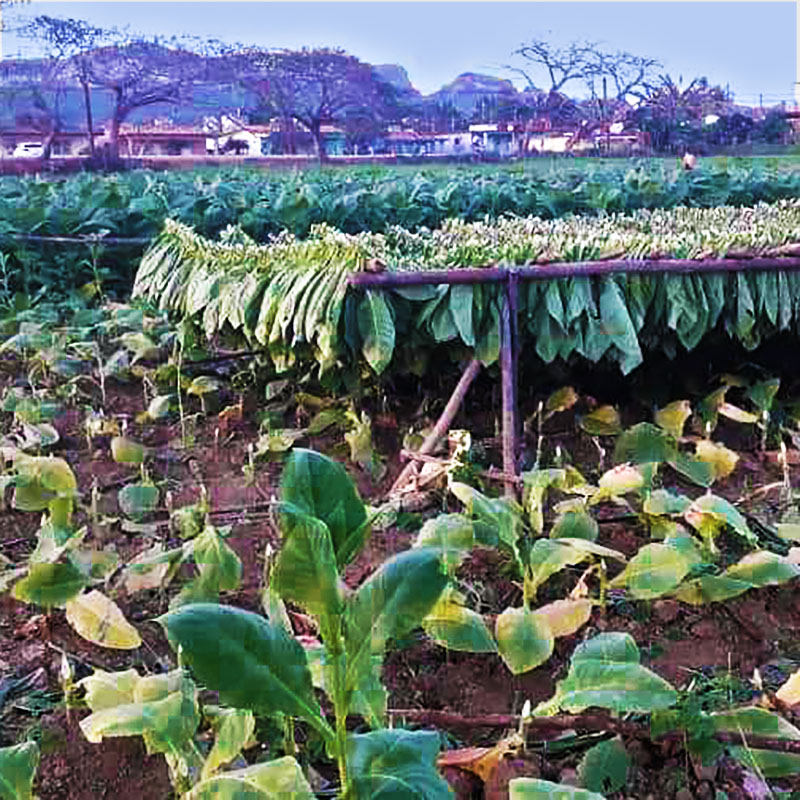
[[135, 205], [696, 547], [292, 297]]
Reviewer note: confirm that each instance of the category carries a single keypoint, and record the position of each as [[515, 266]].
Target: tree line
[[316, 87]]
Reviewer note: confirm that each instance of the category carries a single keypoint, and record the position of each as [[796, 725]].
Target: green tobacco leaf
[[281, 778], [452, 534], [461, 309], [126, 451], [18, 765], [605, 672], [754, 721], [252, 662], [762, 394], [524, 639], [603, 421], [321, 488], [720, 509], [456, 627], [655, 570], [605, 767], [769, 763], [643, 444], [233, 729], [49, 585], [376, 326], [137, 500], [393, 601], [537, 789], [697, 471], [662, 501], [711, 589], [763, 568], [575, 525], [548, 556], [219, 567], [305, 570], [498, 513], [394, 764]]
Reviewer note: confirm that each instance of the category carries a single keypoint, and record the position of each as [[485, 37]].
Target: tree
[[139, 73], [563, 64], [68, 42], [316, 87]]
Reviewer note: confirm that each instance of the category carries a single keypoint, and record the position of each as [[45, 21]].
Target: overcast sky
[[749, 45]]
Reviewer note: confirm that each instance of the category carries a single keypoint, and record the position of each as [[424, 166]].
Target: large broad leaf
[[524, 639], [376, 326], [645, 443], [453, 534], [233, 729], [219, 567], [321, 488], [566, 616], [655, 570], [393, 764], [137, 500], [280, 778], [456, 627], [722, 459], [548, 556], [49, 584], [575, 525], [537, 789], [754, 721], [18, 766], [109, 689], [769, 763], [305, 570], [501, 514], [603, 421], [164, 712], [605, 767], [719, 509], [763, 568], [98, 619], [605, 672], [393, 601], [252, 662], [673, 417]]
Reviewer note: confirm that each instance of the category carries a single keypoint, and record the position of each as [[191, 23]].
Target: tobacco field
[[235, 563]]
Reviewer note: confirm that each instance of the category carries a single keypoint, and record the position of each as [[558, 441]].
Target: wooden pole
[[508, 385], [444, 421]]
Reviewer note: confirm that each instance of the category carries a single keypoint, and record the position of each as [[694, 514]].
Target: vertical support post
[[508, 382]]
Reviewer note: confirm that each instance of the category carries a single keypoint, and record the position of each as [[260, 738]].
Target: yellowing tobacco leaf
[[603, 421], [789, 693], [98, 619], [673, 417], [566, 616], [561, 400], [722, 460], [109, 689], [737, 414]]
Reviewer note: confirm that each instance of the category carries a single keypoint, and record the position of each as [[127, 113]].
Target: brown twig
[[443, 423]]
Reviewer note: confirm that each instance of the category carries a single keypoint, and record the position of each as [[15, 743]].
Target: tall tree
[[140, 72], [316, 87], [68, 43]]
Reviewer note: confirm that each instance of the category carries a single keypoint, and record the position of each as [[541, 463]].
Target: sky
[[748, 46]]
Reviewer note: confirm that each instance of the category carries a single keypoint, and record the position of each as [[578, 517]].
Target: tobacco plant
[[256, 664]]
